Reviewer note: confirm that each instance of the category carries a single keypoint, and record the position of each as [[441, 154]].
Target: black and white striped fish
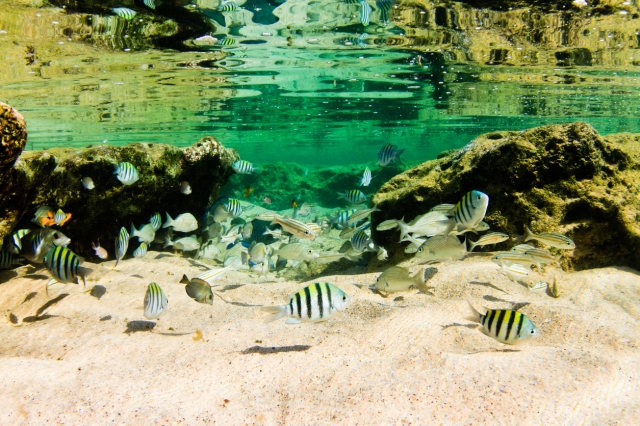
[[156, 221], [141, 251], [124, 12], [151, 4], [38, 243], [228, 7], [59, 216], [354, 196], [470, 210], [343, 216], [126, 173], [388, 154], [12, 242], [9, 259], [64, 265], [365, 13], [226, 41], [233, 206], [122, 244], [366, 177], [504, 325], [314, 303], [155, 302], [360, 240], [355, 41], [244, 167]]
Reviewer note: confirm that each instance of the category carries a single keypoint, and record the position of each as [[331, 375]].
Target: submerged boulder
[[560, 178], [54, 178]]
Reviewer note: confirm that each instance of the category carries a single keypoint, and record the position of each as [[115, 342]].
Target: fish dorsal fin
[[184, 280]]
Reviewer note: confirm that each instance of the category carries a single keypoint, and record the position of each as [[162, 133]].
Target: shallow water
[[299, 85]]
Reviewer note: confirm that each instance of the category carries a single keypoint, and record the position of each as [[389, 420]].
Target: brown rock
[[13, 134]]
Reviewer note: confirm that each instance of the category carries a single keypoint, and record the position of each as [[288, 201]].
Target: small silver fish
[[446, 209], [185, 188], [522, 248], [100, 251], [247, 230], [295, 227], [184, 244], [296, 251], [552, 239], [387, 225], [397, 278], [382, 253], [155, 302], [491, 238], [539, 287], [441, 247], [511, 258], [185, 222], [258, 252], [141, 251], [87, 182], [361, 215], [145, 234], [156, 221], [430, 224], [515, 272], [541, 256]]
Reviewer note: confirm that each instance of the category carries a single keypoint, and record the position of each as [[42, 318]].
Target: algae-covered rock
[[13, 136], [562, 178], [53, 178]]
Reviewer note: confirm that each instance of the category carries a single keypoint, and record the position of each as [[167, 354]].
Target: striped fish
[[539, 256], [348, 233], [156, 221], [365, 13], [314, 303], [354, 196], [12, 243], [226, 41], [9, 259], [150, 4], [211, 275], [141, 251], [366, 177], [384, 6], [470, 210], [504, 325], [388, 154], [124, 12], [59, 217], [360, 241], [126, 173], [445, 209], [295, 227], [37, 243], [552, 239], [512, 257], [228, 7], [361, 215], [342, 216], [352, 1], [515, 272], [356, 41], [122, 244], [155, 302], [522, 248], [233, 206], [491, 238], [64, 265], [387, 225], [244, 167]]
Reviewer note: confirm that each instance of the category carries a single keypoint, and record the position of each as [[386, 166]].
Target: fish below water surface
[[314, 303], [504, 325], [155, 302], [397, 278], [64, 265]]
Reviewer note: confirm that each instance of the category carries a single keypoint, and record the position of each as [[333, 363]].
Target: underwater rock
[[561, 178], [53, 178], [13, 136]]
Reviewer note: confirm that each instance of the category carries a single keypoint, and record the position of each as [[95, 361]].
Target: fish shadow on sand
[[515, 307], [493, 350], [98, 291], [137, 276], [488, 284], [197, 265], [50, 303], [268, 350], [6, 276], [161, 255], [37, 277], [136, 326], [35, 318], [455, 324], [30, 296], [230, 287]]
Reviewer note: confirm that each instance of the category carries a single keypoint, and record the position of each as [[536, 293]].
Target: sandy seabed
[[90, 357]]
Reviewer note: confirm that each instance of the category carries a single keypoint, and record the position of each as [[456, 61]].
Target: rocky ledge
[[560, 178], [54, 178]]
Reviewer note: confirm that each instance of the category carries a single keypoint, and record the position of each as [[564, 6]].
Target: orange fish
[[247, 191], [294, 204]]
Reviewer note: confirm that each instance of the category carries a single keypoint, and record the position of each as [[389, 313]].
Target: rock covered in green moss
[[53, 178], [561, 178], [13, 136]]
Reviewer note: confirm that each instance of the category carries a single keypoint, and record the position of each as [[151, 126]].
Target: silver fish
[[430, 224], [540, 256], [539, 287], [183, 223], [155, 302], [387, 225], [184, 244], [515, 271], [521, 248], [446, 209], [87, 182], [552, 239], [295, 227], [258, 253], [145, 234], [156, 221], [491, 238], [511, 257], [397, 278], [122, 244], [361, 215], [441, 247], [210, 275], [247, 230], [296, 251], [382, 253], [185, 188]]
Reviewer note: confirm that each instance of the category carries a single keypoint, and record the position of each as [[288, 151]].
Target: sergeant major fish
[[122, 244], [314, 303], [155, 302], [244, 167], [126, 173], [388, 154], [141, 251], [504, 325], [366, 177], [470, 210], [64, 265], [353, 196]]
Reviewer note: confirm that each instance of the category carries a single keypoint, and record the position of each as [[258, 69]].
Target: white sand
[[413, 361]]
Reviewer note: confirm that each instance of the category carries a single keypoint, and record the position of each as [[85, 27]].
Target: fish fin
[[403, 229], [528, 235], [474, 315], [472, 245], [184, 280], [256, 170], [167, 242], [292, 321], [83, 272], [418, 278], [244, 257], [189, 291], [134, 231], [276, 312], [168, 222], [295, 263], [116, 169], [375, 209], [341, 195]]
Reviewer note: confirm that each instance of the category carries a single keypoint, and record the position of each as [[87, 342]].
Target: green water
[[303, 88]]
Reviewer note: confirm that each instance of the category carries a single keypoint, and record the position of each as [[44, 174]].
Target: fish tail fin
[[418, 278], [184, 280], [375, 209], [471, 246], [276, 312], [168, 222], [341, 195], [473, 315], [116, 169], [167, 242], [256, 170], [528, 235], [403, 228], [83, 272], [398, 153], [134, 231], [244, 257]]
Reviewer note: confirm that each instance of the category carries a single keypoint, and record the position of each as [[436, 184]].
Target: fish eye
[[532, 332], [310, 251], [306, 232], [344, 298]]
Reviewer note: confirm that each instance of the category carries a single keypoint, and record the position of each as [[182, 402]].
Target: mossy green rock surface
[[559, 178], [53, 178]]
